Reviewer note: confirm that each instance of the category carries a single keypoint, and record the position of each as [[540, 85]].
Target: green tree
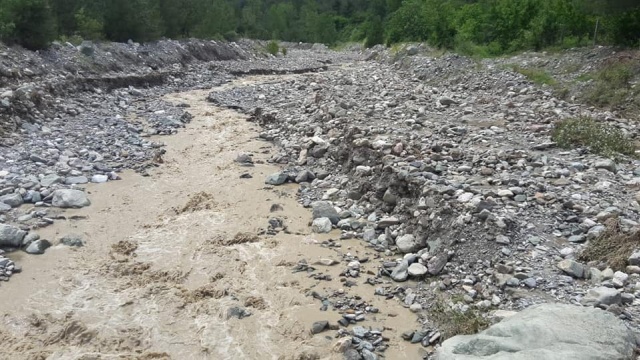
[[219, 19], [89, 27], [29, 23], [137, 20], [375, 32]]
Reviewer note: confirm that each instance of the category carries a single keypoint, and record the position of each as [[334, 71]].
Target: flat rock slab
[[550, 332]]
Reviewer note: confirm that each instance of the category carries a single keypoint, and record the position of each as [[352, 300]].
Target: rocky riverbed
[[431, 185]]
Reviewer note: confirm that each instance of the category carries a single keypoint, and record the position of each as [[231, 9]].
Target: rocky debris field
[[447, 169], [58, 141], [442, 166]]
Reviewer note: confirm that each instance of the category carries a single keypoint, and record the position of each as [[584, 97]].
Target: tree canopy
[[489, 26]]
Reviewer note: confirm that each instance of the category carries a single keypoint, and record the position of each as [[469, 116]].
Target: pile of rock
[[7, 267], [448, 170]]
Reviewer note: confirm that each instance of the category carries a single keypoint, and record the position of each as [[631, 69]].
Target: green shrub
[[612, 86], [273, 47], [231, 36], [284, 51], [599, 137], [618, 75], [74, 39], [375, 32], [88, 26]]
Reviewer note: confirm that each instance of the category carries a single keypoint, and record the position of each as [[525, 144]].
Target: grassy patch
[[452, 322], [612, 246], [613, 86], [273, 47], [535, 75], [584, 77], [572, 68], [600, 138]]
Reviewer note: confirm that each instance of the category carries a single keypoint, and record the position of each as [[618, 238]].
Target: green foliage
[[375, 32], [473, 27], [408, 23], [137, 20], [29, 23], [600, 138], [231, 36], [217, 19], [89, 27], [73, 39], [284, 51], [612, 86], [273, 48]]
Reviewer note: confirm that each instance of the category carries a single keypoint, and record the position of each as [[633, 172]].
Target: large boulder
[[69, 198], [324, 209], [550, 332], [11, 236], [278, 178], [13, 200], [601, 296], [407, 243], [321, 226]]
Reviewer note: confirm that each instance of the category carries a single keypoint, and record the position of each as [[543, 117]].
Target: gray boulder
[[324, 209], [72, 240], [38, 247], [51, 179], [69, 198], [407, 243], [601, 296], [401, 272], [607, 164], [572, 268], [276, 179], [321, 226], [11, 235], [4, 207], [13, 200], [634, 259], [73, 180], [550, 332], [417, 270]]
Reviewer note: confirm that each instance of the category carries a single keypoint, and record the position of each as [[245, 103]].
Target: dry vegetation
[[612, 247]]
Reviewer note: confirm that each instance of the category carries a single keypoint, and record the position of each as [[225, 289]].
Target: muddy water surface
[[167, 256]]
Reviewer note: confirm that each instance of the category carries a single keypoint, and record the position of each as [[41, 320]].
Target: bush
[[375, 32], [284, 51], [88, 26], [600, 138], [273, 47], [74, 39], [231, 36], [612, 86]]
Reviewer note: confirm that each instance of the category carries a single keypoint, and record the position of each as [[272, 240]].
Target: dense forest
[[487, 27]]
